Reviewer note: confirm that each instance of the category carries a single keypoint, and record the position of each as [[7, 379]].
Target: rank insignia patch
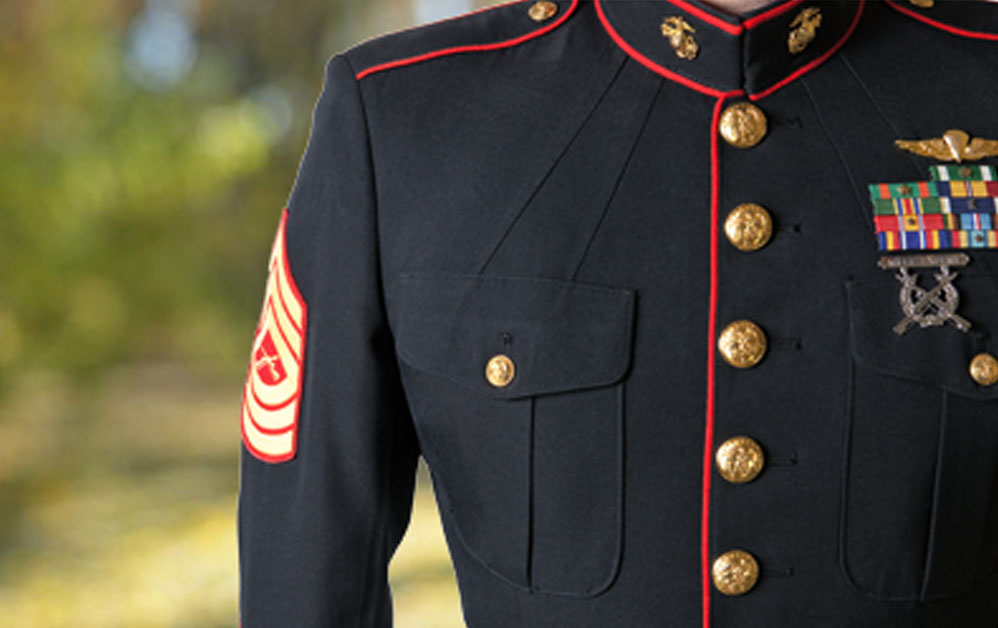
[[272, 391]]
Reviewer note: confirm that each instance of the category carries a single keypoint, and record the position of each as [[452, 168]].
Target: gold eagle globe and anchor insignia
[[804, 30], [680, 35]]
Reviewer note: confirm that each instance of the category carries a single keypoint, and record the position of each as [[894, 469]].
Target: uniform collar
[[747, 54]]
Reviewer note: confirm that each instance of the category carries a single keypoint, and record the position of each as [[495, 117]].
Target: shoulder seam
[[962, 32], [453, 50]]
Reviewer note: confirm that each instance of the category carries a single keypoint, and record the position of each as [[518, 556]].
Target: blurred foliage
[[136, 214], [146, 150]]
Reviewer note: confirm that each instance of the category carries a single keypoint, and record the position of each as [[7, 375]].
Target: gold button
[[984, 369], [735, 572], [748, 227], [542, 11], [743, 125], [742, 344], [500, 370], [925, 4], [739, 459]]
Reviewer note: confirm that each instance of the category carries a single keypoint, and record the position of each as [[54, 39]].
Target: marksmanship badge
[[935, 306]]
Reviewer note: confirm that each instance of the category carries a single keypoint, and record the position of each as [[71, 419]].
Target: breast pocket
[[516, 385], [920, 505]]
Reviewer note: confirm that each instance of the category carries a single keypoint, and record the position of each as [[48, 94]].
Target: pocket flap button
[[984, 369], [500, 370]]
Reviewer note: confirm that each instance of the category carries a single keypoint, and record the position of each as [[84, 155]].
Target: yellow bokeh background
[[146, 150]]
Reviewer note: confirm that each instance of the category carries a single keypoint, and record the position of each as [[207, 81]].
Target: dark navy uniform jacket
[[505, 251]]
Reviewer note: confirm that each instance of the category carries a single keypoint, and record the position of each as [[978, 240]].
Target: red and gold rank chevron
[[272, 392]]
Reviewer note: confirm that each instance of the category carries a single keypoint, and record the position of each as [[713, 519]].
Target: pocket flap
[[933, 355], [559, 334]]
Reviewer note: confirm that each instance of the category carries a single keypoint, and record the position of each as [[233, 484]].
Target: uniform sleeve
[[329, 453]]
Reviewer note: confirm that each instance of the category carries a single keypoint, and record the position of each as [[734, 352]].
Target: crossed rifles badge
[[955, 210]]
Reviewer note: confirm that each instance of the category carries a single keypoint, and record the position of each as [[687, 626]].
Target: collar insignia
[[804, 27], [678, 32]]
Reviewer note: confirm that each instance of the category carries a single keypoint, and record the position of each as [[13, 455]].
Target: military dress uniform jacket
[[613, 268]]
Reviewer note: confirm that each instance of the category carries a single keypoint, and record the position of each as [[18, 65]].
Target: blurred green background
[[146, 150]]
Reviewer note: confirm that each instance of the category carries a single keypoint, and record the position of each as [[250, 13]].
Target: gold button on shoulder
[[743, 125], [500, 370], [984, 369], [739, 459], [742, 344], [925, 4], [543, 11], [735, 572], [748, 227]]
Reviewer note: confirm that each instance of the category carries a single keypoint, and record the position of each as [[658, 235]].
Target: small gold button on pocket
[[500, 370], [739, 459], [543, 11], [984, 369], [735, 572]]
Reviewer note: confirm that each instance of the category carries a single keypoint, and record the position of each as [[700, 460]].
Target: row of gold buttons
[[742, 344]]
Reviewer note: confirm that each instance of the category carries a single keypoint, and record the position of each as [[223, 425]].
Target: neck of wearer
[[737, 7]]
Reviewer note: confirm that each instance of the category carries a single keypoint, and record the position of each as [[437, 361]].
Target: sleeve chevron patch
[[272, 393]]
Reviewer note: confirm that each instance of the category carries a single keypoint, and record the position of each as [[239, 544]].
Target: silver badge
[[935, 306]]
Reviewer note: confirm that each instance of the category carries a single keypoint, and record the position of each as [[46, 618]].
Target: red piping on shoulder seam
[[940, 25], [708, 432], [509, 43], [654, 67], [810, 66]]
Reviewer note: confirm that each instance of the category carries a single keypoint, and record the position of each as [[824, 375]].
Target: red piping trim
[[810, 66], [942, 26], [654, 67], [759, 19], [509, 43], [777, 11], [713, 20], [736, 29], [708, 432]]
